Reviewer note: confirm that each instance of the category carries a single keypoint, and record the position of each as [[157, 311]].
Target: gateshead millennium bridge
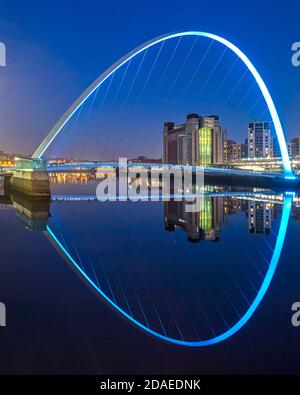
[[27, 176]]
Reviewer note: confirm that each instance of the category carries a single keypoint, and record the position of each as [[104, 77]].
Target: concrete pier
[[31, 178]]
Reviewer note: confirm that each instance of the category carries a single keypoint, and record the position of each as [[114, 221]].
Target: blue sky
[[55, 50]]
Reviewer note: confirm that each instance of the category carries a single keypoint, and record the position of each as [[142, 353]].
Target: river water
[[148, 287]]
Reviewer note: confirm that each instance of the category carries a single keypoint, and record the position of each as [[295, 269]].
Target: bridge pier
[[32, 213], [31, 178], [7, 183]]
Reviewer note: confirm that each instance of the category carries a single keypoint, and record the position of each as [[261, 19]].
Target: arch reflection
[[144, 324]]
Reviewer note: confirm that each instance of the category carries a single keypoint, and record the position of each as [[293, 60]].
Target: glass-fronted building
[[205, 146], [197, 142]]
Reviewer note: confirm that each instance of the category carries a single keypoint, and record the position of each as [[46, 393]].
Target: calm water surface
[[129, 287]]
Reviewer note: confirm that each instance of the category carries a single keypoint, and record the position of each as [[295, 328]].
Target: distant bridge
[[212, 174], [212, 170], [216, 175], [83, 166]]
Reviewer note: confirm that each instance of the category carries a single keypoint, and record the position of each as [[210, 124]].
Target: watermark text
[[2, 54], [296, 54], [152, 183], [2, 314]]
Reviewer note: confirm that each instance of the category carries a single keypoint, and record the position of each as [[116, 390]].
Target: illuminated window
[[205, 146]]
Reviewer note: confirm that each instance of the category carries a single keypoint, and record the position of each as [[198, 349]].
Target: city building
[[199, 141], [276, 148], [290, 149], [6, 160], [239, 151], [145, 160], [217, 135], [177, 144], [294, 148], [228, 150], [234, 151], [260, 141]]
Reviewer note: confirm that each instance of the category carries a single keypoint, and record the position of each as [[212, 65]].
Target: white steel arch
[[85, 95]]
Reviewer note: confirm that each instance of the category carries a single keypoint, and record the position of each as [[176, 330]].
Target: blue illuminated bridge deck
[[214, 170], [209, 172]]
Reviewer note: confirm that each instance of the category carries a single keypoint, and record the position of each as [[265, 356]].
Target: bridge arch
[[85, 95], [49, 233]]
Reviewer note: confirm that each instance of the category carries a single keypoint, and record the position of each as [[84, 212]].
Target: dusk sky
[[54, 54]]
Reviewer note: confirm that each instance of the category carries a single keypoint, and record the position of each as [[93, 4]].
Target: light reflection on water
[[185, 276], [159, 270]]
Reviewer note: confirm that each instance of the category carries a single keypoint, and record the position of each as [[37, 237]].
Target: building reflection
[[296, 211], [260, 216], [206, 224]]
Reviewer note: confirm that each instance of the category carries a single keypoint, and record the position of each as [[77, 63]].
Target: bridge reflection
[[189, 297], [260, 207], [32, 213]]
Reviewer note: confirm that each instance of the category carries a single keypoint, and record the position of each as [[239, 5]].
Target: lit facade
[[234, 151], [228, 150], [260, 142], [205, 147], [294, 148], [239, 151], [199, 226], [199, 141]]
